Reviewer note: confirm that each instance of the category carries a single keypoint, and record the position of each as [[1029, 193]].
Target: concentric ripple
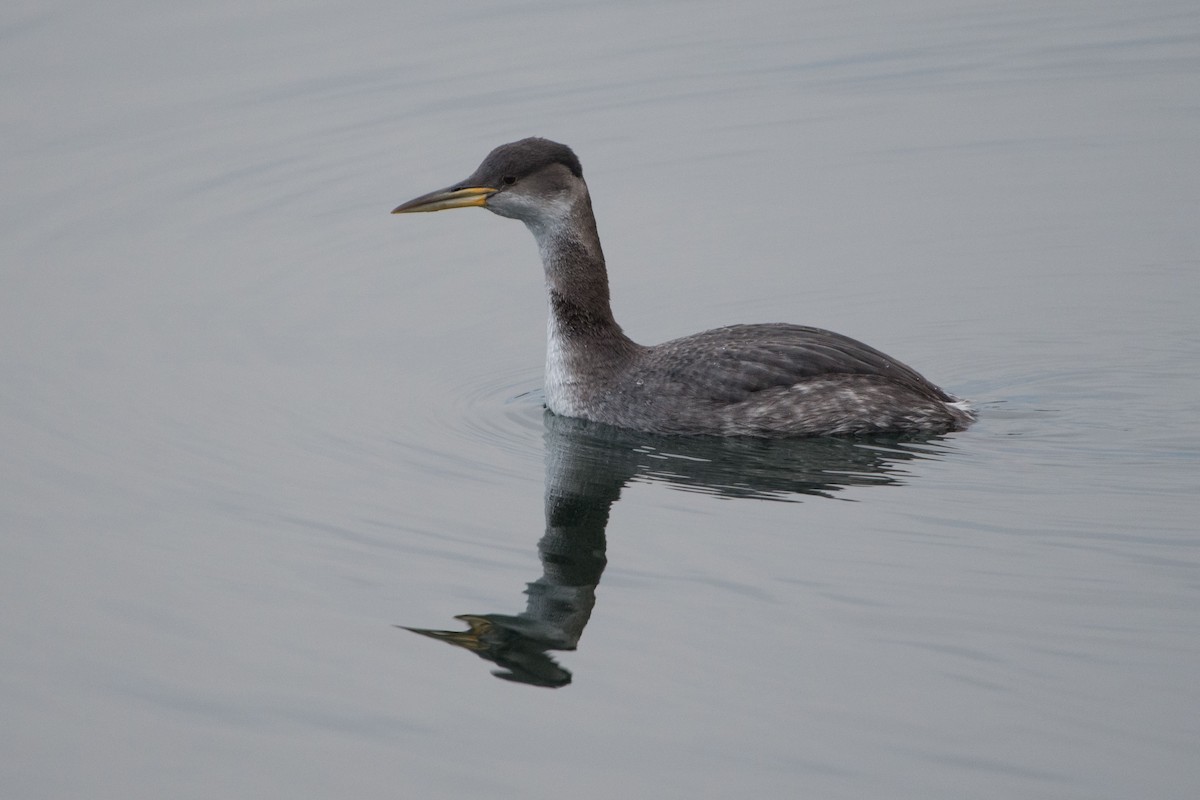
[[484, 425]]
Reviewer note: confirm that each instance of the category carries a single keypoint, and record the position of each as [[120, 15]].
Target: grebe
[[769, 380]]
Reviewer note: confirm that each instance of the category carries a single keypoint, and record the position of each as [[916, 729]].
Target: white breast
[[562, 395]]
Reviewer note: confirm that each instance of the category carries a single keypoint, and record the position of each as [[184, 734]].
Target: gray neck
[[585, 346], [574, 263]]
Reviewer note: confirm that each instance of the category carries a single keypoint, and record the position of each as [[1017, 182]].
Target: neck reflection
[[587, 465]]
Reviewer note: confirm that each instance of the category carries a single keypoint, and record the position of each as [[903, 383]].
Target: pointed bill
[[465, 197]]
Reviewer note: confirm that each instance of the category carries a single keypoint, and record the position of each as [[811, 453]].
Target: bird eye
[[508, 180]]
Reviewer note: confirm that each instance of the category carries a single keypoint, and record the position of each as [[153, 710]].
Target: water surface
[[251, 423]]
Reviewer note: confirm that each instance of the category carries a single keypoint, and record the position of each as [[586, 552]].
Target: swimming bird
[[767, 380]]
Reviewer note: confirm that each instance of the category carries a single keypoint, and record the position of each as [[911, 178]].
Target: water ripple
[[485, 425]]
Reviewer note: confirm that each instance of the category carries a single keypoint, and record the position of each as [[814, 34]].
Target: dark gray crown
[[518, 159]]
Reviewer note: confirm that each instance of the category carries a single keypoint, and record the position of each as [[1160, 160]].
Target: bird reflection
[[587, 465]]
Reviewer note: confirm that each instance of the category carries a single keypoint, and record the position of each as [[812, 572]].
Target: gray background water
[[249, 421]]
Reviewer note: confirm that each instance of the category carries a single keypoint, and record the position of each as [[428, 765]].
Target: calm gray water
[[250, 422]]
